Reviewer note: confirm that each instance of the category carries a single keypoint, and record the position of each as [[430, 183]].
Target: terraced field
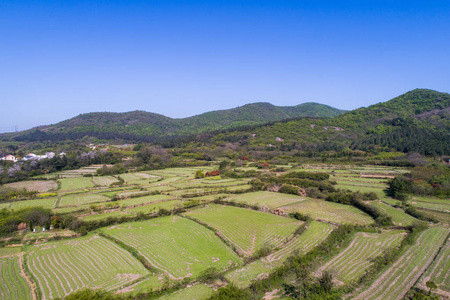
[[246, 229], [396, 281], [45, 203], [330, 212], [352, 262], [176, 246], [399, 217], [439, 272], [77, 183], [89, 262], [442, 205], [266, 199], [313, 236], [104, 180], [13, 285], [34, 185], [81, 199]]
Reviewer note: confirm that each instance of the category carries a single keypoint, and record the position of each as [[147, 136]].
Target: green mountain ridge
[[141, 123], [417, 121]]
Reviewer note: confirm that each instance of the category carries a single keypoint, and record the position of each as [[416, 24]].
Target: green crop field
[[13, 285], [399, 217], [363, 188], [330, 212], [88, 262], [45, 203], [174, 245], [352, 262], [397, 280], [246, 229], [6, 251], [439, 271], [169, 205], [143, 200], [429, 203], [77, 183], [440, 216], [81, 199], [104, 180], [266, 199], [314, 235]]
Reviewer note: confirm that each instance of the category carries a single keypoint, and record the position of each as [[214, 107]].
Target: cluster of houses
[[31, 156]]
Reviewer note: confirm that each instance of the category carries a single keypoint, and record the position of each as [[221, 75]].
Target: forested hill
[[138, 124], [417, 121]]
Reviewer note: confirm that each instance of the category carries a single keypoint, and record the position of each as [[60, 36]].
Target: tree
[[326, 281], [431, 285], [199, 174]]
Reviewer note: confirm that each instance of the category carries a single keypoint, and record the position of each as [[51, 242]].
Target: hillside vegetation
[[137, 124]]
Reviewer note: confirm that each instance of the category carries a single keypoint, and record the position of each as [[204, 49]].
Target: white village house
[[9, 157]]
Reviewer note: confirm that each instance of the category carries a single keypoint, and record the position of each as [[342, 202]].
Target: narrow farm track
[[396, 281]]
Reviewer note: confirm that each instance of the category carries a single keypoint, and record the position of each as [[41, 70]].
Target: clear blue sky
[[181, 58]]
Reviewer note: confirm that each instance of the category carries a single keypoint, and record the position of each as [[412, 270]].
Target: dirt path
[[24, 274]]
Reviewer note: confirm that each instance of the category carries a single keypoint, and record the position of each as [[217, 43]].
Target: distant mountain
[[138, 124], [417, 121]]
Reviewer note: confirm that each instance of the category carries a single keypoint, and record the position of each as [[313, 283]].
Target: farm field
[[81, 199], [169, 205], [142, 200], [7, 251], [266, 199], [88, 262], [310, 238], [34, 185], [330, 212], [45, 203], [396, 281], [13, 285], [431, 203], [352, 262], [399, 217], [246, 229], [104, 180], [439, 272], [363, 188], [175, 246], [77, 183], [440, 216]]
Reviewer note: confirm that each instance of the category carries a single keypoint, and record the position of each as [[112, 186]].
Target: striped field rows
[[247, 229], [353, 261], [63, 267], [310, 238], [439, 272], [396, 281], [176, 246], [12, 285]]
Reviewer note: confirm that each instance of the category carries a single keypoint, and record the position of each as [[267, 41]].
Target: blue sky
[[59, 59]]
